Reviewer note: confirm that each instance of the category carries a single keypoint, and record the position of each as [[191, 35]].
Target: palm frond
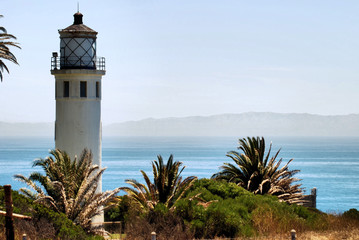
[[70, 185], [5, 53], [167, 186], [257, 172]]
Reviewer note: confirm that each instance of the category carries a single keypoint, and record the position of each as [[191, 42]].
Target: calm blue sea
[[330, 164]]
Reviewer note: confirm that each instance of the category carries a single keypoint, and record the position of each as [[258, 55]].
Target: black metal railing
[[78, 63]]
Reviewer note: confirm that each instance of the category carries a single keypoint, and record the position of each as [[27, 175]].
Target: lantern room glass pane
[[78, 53]]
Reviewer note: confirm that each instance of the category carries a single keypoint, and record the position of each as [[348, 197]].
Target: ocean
[[329, 164]]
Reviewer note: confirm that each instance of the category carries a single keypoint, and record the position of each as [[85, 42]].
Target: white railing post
[[293, 234], [153, 236]]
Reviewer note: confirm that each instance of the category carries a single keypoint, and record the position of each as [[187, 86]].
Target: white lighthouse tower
[[78, 74]]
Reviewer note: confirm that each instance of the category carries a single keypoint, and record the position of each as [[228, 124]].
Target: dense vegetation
[[45, 223], [167, 186], [255, 197], [219, 209], [69, 187], [260, 173]]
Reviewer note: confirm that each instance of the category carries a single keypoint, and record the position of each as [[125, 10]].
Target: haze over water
[[330, 164]]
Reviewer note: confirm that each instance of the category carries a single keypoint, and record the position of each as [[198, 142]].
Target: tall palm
[[69, 186], [5, 53], [167, 186], [259, 173]]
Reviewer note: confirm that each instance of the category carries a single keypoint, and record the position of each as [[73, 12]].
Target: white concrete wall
[[78, 120]]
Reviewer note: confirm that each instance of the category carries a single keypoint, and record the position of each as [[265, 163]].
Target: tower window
[[83, 89], [66, 89], [97, 89]]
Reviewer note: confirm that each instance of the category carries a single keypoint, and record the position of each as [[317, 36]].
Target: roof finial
[[77, 18], [78, 7]]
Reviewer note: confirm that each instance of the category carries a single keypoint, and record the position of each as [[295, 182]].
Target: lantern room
[[77, 46]]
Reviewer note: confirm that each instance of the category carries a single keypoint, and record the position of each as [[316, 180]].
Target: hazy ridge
[[251, 124], [26, 129], [272, 124]]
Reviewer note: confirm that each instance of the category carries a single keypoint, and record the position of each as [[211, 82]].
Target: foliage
[[161, 220], [45, 223], [217, 208], [69, 186], [352, 214], [221, 209], [167, 187], [121, 210], [259, 173], [5, 53], [65, 229]]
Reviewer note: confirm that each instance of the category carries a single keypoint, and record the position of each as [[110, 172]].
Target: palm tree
[[257, 172], [5, 53], [167, 186], [69, 186]]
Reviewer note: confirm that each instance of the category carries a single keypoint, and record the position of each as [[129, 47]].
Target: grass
[[117, 236], [339, 227], [352, 234]]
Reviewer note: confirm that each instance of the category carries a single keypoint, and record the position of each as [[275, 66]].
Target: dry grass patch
[[352, 234]]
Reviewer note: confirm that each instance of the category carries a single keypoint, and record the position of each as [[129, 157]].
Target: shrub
[[220, 189], [165, 223], [217, 208], [352, 214], [227, 218], [212, 209], [120, 211]]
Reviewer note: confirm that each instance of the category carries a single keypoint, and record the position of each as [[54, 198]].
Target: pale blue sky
[[192, 57]]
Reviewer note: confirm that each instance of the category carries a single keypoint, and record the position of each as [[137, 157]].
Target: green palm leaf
[[69, 186], [5, 53], [167, 187], [257, 172]]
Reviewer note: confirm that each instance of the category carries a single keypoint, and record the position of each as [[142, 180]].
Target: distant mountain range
[[26, 129], [244, 124]]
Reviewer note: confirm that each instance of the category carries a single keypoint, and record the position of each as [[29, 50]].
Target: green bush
[[65, 229], [227, 218], [217, 208], [212, 189], [120, 211], [352, 214], [213, 208]]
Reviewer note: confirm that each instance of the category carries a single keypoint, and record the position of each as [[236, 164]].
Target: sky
[[171, 58]]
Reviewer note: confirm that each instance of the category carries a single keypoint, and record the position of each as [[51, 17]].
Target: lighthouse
[[78, 73]]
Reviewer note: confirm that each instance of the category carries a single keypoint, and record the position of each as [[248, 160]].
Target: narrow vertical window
[[97, 90], [56, 94], [66, 89], [83, 89]]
